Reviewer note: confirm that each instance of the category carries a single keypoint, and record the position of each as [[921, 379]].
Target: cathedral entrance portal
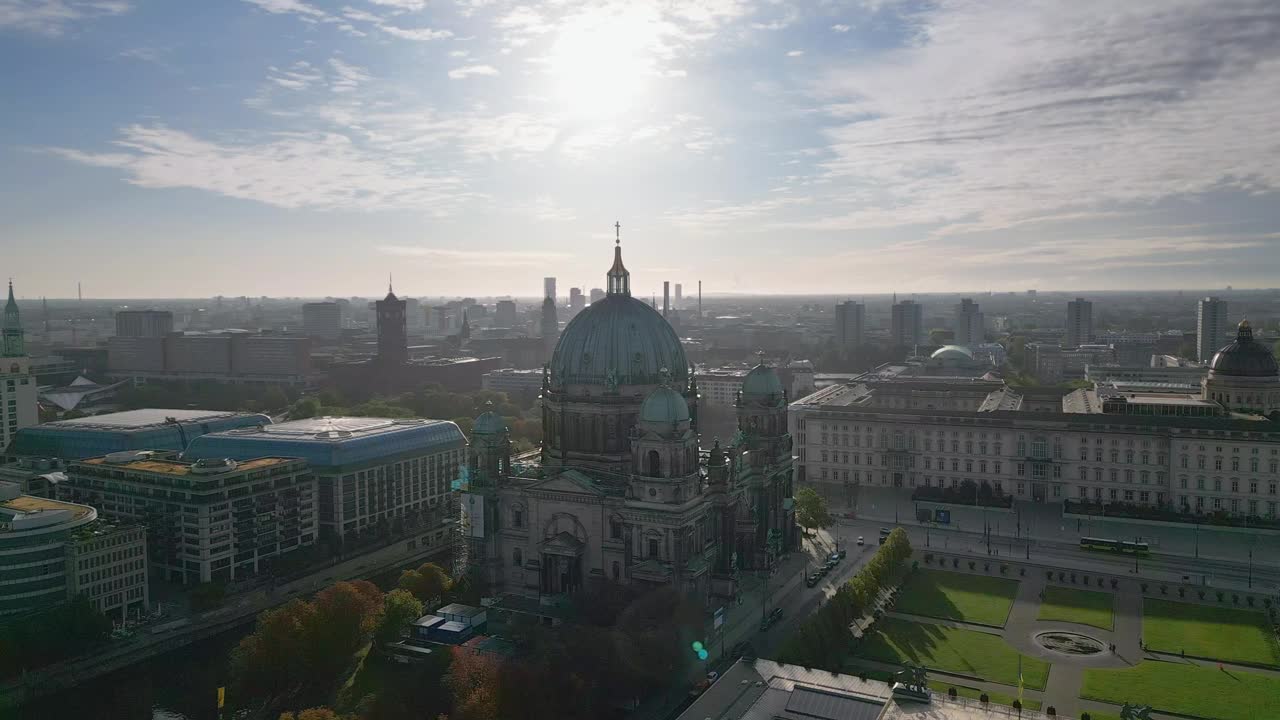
[[560, 574]]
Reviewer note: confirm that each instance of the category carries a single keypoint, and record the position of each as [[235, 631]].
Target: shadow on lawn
[[922, 595]]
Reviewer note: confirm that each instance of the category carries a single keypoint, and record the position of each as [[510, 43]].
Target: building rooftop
[[147, 429], [20, 513], [767, 690], [170, 466], [331, 441]]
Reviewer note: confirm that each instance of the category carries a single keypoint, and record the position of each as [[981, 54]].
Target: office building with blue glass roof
[[372, 473], [148, 429]]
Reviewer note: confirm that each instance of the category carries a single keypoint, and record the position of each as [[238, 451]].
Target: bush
[[1114, 583], [951, 693], [1250, 600], [1017, 705], [1266, 602], [1085, 716], [1235, 599], [915, 565], [986, 567], [1022, 572], [1004, 569], [972, 565], [1144, 587], [983, 698], [1164, 589], [1182, 592], [955, 562], [1051, 711], [928, 558], [1221, 595], [1062, 577], [1100, 582], [1048, 575], [1201, 594]]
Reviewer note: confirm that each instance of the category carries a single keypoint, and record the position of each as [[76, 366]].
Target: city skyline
[[772, 148]]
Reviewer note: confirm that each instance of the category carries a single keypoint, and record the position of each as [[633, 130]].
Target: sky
[[151, 148]]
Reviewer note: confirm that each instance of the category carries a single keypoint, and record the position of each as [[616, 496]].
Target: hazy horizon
[[299, 148]]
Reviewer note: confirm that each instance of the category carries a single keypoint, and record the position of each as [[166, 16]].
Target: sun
[[601, 62]]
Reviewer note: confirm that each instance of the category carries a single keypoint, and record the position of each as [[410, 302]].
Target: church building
[[623, 490]]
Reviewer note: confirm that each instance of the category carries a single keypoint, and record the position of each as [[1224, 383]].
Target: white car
[[861, 541]]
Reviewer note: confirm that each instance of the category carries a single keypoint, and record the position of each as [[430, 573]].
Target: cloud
[[347, 77], [841, 28], [475, 258], [401, 4], [997, 115], [284, 7], [795, 53], [289, 170], [299, 76], [469, 70], [421, 34], [53, 17]]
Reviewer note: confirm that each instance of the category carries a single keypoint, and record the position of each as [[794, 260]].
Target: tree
[[811, 510], [270, 661], [427, 583], [399, 609], [473, 681], [305, 408], [315, 713]]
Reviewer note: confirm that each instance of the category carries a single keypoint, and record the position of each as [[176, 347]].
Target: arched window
[[654, 464], [517, 558]]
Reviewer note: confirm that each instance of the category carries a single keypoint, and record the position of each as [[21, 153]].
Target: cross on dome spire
[[618, 280]]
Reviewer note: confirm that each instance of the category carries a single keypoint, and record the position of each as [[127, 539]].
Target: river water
[[181, 685]]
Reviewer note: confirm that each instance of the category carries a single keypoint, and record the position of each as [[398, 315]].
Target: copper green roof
[[489, 423], [664, 406], [618, 341], [762, 383]]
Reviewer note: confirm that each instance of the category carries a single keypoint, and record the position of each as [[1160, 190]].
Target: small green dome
[[762, 383], [664, 406], [489, 423]]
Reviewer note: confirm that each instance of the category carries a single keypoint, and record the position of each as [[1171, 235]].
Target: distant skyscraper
[[504, 315], [320, 320], [597, 294], [969, 325], [576, 301], [906, 324], [666, 298], [144, 323], [393, 336], [549, 288], [1211, 327], [850, 324], [1079, 322], [549, 326], [415, 318], [18, 408], [679, 297]]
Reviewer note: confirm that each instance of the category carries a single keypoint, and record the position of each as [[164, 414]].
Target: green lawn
[[951, 649], [1078, 606], [1205, 631], [957, 596], [1188, 689], [941, 686]]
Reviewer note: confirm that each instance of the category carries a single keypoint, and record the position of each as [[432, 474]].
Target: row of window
[[1235, 485]]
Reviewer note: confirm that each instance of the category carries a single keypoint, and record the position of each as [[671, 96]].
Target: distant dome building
[[621, 490], [1244, 376], [954, 360]]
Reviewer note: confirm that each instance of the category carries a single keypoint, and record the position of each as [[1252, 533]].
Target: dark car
[[843, 554], [813, 579], [835, 557], [744, 650]]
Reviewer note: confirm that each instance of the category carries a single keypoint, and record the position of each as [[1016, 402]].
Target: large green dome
[[618, 341]]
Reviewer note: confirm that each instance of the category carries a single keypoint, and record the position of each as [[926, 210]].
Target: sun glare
[[601, 63]]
